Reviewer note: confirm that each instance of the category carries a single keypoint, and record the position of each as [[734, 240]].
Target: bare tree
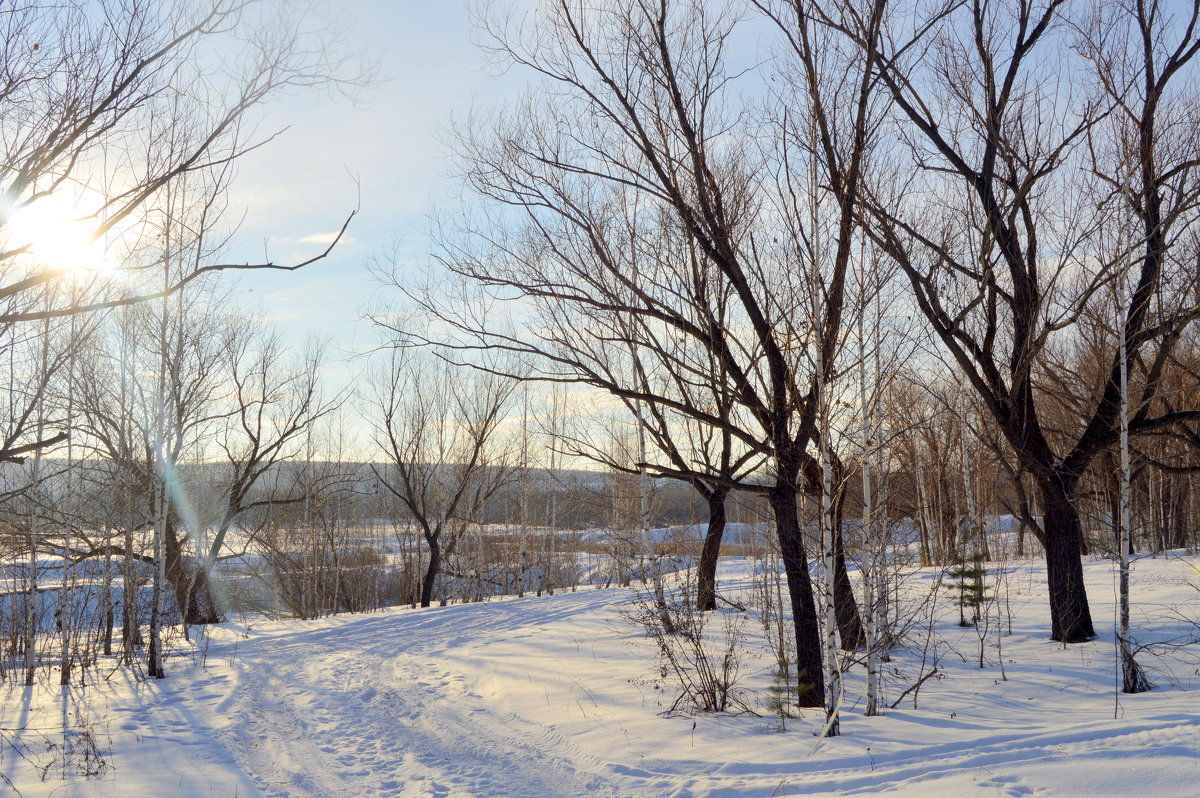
[[273, 408], [997, 133], [320, 558], [438, 428], [632, 142], [704, 453]]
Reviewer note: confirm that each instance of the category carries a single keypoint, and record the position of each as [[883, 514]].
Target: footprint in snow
[[1007, 785]]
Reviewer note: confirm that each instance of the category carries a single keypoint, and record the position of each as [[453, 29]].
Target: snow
[[554, 696]]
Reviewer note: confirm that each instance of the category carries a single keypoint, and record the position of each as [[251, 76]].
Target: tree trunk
[[1070, 616], [925, 520], [154, 654], [810, 689], [203, 607], [106, 625], [431, 571], [706, 576], [849, 622], [1176, 521], [179, 575], [190, 584], [131, 630]]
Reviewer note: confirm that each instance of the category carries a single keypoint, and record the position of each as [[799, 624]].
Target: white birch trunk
[[31, 600], [1132, 678], [162, 500], [155, 664], [870, 541], [833, 671]]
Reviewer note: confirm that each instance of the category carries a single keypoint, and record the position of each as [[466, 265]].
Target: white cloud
[[325, 238]]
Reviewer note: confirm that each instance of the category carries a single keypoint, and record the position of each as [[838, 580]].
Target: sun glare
[[58, 235]]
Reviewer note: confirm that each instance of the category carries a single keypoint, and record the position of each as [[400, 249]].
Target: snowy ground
[[551, 697]]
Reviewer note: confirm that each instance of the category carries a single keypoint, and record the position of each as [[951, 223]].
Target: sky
[[389, 150], [384, 154]]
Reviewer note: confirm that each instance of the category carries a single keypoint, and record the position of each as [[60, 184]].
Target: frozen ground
[[553, 697]]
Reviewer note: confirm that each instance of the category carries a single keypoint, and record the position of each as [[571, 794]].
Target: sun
[[58, 234]]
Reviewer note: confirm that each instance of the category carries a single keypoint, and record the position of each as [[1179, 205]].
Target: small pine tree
[[969, 572], [780, 699]]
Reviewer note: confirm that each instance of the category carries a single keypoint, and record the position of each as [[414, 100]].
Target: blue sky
[[300, 187]]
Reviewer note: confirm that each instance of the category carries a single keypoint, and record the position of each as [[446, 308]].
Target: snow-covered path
[[373, 708], [547, 697]]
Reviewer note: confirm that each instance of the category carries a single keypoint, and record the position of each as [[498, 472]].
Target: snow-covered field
[[553, 696]]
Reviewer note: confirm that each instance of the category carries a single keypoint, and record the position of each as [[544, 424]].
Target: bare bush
[[702, 664]]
